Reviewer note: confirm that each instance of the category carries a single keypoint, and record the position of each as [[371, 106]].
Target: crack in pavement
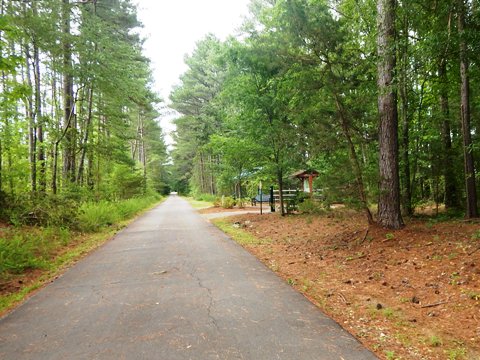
[[213, 320]]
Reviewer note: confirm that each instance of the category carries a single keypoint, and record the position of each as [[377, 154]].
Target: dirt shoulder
[[407, 294]]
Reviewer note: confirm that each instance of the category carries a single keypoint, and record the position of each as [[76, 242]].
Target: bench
[[260, 199]]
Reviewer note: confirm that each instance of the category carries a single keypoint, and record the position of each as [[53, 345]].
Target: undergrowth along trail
[[32, 255]]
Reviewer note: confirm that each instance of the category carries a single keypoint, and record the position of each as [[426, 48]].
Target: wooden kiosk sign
[[306, 177]]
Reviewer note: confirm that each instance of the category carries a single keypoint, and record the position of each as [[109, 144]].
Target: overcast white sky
[[172, 28]]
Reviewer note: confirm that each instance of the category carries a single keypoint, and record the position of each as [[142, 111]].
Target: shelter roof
[[305, 173]]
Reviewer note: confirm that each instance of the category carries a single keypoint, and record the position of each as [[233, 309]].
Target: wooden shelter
[[306, 178]]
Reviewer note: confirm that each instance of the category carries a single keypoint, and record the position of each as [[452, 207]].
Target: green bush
[[228, 202], [217, 202], [22, 249], [131, 207], [70, 212], [42, 210], [96, 215], [127, 182], [241, 203], [309, 206], [17, 254]]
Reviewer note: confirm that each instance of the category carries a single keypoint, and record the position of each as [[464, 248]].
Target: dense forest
[[380, 97], [77, 112]]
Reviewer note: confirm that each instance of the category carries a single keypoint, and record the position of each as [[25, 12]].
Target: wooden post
[[310, 184], [261, 199], [272, 201]]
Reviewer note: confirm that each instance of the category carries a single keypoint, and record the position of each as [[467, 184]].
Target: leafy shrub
[[18, 253], [127, 182], [29, 248], [228, 202], [241, 203], [44, 210], [131, 207], [217, 202], [95, 215], [310, 206]]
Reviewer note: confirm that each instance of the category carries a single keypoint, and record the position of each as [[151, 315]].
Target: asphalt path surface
[[171, 286]]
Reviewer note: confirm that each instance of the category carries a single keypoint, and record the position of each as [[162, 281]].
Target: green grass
[[456, 353], [390, 355], [240, 236], [55, 249], [199, 204], [205, 197], [389, 313], [435, 341]]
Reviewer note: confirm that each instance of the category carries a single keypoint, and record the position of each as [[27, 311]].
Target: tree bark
[[144, 155], [202, 174], [1, 167], [68, 97], [240, 195], [88, 125], [30, 114], [212, 179], [407, 184], [469, 167], [42, 181], [3, 89], [280, 191], [55, 110], [389, 214], [452, 200]]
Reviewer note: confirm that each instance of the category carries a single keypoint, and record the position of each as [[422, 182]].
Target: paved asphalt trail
[[171, 286]]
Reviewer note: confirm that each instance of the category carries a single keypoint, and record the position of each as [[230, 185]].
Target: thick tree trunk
[[389, 214], [469, 166]]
